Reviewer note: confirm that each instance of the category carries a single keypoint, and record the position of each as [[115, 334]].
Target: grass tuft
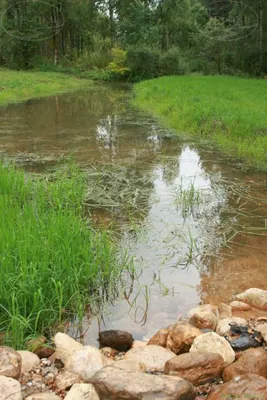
[[53, 263]]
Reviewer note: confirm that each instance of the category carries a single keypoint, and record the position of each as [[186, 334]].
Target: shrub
[[117, 65], [143, 63]]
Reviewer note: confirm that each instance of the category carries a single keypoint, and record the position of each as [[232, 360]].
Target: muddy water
[[185, 252]]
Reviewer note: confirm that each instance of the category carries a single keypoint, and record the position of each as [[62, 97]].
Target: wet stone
[[119, 340]]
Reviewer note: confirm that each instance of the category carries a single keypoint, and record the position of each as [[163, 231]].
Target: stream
[[197, 230]]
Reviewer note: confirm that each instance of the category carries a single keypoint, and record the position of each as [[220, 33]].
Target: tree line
[[135, 38]]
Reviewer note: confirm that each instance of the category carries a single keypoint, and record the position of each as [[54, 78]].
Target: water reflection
[[184, 252]]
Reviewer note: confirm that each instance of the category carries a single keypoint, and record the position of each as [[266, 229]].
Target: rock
[[160, 338], [30, 361], [65, 346], [239, 306], [44, 351], [197, 368], [138, 343], [129, 385], [10, 362], [181, 337], [246, 387], [130, 365], [204, 316], [213, 343], [10, 389], [224, 328], [82, 391], [252, 361], [109, 352], [85, 362], [154, 357], [225, 311], [118, 340], [43, 396], [256, 298], [262, 329], [67, 379]]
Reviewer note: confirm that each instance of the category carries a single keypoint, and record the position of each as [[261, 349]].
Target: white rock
[[10, 362], [82, 391], [254, 297], [138, 343], [65, 346], [213, 343], [223, 327], [43, 396], [85, 362], [154, 357], [30, 361], [130, 365], [10, 389]]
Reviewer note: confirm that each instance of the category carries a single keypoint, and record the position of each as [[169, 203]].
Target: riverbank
[[53, 263], [18, 86], [209, 354], [228, 111]]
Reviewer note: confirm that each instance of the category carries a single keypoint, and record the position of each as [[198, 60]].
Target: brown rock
[[225, 311], [10, 363], [160, 338], [254, 297], [197, 368], [248, 386], [44, 351], [252, 361], [239, 306], [129, 385], [154, 357], [181, 337], [203, 317], [119, 340]]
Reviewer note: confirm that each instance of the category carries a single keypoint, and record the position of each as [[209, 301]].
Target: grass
[[18, 86], [229, 111], [53, 263]]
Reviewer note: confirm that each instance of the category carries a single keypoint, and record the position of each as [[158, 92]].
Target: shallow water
[[182, 256]]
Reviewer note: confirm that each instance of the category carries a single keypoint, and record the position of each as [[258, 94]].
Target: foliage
[[229, 111], [117, 65], [207, 36], [53, 263]]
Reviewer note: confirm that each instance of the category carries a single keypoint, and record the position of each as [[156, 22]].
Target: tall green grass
[[230, 111], [17, 86], [53, 263]]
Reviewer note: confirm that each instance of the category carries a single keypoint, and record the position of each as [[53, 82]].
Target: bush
[[171, 63], [117, 65], [143, 63]]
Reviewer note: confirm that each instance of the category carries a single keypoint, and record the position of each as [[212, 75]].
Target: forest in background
[[135, 39]]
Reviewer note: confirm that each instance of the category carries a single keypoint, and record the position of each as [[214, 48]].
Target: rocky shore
[[214, 352]]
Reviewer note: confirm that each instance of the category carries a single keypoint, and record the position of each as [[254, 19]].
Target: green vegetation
[[229, 111], [17, 86], [53, 263], [159, 37]]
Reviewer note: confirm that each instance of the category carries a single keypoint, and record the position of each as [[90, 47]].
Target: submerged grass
[[229, 111], [18, 86], [53, 263]]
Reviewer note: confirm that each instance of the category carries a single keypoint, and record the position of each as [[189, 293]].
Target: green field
[[229, 111], [53, 263], [18, 86]]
